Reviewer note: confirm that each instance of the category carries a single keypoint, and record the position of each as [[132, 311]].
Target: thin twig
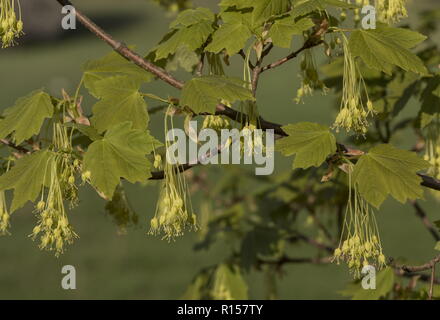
[[14, 146], [426, 222], [423, 267], [431, 284]]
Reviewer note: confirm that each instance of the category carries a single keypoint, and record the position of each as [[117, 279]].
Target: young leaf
[[437, 246], [229, 283], [120, 154], [304, 7], [27, 177], [238, 4], [384, 284], [193, 37], [185, 58], [265, 9], [384, 47], [190, 17], [121, 101], [386, 170], [110, 65], [311, 142], [202, 94], [26, 116], [232, 35], [283, 29]]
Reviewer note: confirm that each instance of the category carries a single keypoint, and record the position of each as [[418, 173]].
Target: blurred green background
[[138, 266]]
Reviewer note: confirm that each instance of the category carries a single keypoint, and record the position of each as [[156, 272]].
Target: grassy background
[[138, 266]]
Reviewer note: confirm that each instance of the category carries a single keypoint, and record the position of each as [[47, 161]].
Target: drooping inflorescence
[[309, 77], [353, 113], [174, 212], [53, 228], [11, 27], [391, 11], [360, 244]]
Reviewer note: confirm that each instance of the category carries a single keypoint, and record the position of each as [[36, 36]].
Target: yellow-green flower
[[4, 215], [11, 27], [310, 78], [391, 11], [360, 242], [53, 226], [174, 212], [353, 114]]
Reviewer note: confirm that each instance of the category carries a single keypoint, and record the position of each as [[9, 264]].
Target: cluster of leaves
[[260, 224]]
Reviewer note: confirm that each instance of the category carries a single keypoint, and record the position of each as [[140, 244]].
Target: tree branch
[[14, 146], [123, 50], [424, 267], [428, 224]]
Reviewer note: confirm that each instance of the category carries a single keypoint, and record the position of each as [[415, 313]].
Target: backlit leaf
[[386, 170], [25, 118], [120, 154], [311, 143]]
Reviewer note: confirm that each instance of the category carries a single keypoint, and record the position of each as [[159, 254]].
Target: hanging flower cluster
[[360, 242], [10, 27], [174, 212], [53, 227], [391, 11], [353, 113], [432, 149], [310, 79], [4, 215], [216, 123]]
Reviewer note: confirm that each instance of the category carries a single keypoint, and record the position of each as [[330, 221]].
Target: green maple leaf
[[232, 35], [111, 65], [121, 101], [283, 29], [229, 278], [384, 284], [384, 47], [193, 37], [27, 177], [202, 94], [190, 17], [121, 153], [240, 4], [386, 170], [312, 143], [26, 116], [265, 9], [304, 7]]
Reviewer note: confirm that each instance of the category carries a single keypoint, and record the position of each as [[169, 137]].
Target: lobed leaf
[[26, 117], [121, 153], [311, 143], [386, 170]]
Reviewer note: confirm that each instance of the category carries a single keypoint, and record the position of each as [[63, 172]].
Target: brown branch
[[291, 56], [424, 267], [426, 222], [123, 50], [313, 41], [311, 241], [14, 146], [285, 259], [431, 284]]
